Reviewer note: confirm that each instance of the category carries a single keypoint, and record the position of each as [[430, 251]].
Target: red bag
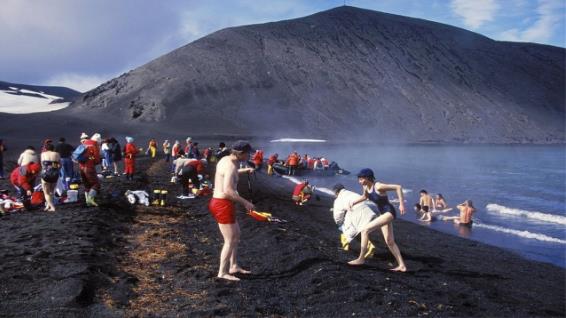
[[37, 199]]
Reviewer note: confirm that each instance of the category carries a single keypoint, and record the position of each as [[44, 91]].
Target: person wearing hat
[[377, 193], [29, 155], [351, 221], [23, 178], [222, 208]]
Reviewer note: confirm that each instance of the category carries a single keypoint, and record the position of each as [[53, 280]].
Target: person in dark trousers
[[116, 152], [190, 171], [2, 150], [65, 150]]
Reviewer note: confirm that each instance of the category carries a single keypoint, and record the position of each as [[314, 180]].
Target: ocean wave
[[297, 140], [524, 234], [546, 217]]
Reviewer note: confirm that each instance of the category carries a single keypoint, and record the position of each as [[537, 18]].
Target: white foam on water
[[524, 234], [297, 140], [546, 217]]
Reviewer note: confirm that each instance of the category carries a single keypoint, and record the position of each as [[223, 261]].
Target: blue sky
[[82, 43]]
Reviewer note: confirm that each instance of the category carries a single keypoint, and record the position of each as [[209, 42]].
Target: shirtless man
[[221, 206], [426, 205]]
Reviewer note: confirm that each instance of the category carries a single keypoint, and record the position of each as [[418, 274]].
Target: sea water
[[519, 191]]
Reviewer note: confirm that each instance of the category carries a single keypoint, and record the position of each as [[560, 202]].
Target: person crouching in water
[[377, 193], [351, 222], [466, 212], [130, 153], [221, 206], [88, 168], [302, 192]]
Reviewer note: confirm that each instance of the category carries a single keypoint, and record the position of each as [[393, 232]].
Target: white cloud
[[475, 13], [550, 15], [81, 83]]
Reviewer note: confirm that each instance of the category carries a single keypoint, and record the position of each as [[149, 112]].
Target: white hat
[[189, 139], [96, 137], [84, 136]]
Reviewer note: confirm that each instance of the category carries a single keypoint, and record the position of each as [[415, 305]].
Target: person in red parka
[[23, 178], [130, 152], [257, 159], [302, 192], [293, 163], [88, 168]]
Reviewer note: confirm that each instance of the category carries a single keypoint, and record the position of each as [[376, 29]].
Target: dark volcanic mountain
[[345, 73]]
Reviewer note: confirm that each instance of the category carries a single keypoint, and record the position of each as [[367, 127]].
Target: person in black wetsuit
[[377, 193]]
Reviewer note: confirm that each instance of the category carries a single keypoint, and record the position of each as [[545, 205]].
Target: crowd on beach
[[355, 214]]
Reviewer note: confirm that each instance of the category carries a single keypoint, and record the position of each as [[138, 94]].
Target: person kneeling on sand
[[377, 193], [302, 193], [351, 222], [221, 206]]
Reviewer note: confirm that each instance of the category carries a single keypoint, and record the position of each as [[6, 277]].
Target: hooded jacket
[[24, 176]]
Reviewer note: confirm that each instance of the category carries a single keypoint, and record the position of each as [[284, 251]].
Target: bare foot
[[357, 261], [229, 277], [399, 269], [240, 270]]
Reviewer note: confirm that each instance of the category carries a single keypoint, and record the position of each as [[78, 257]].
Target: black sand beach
[[116, 261]]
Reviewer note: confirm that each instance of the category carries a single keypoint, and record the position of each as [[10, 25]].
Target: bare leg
[[372, 226], [229, 233], [387, 231], [234, 267], [48, 193]]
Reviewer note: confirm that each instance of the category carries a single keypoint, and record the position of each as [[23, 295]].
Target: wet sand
[[116, 261]]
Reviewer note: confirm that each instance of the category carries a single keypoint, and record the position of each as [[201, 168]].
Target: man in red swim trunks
[[221, 206]]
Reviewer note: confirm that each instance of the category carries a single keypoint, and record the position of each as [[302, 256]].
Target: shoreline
[[116, 260]]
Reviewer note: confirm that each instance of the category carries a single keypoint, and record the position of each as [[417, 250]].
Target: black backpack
[[50, 172]]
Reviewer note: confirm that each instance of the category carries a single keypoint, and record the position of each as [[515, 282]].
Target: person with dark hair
[[116, 154], [351, 221], [426, 205], [221, 206], [439, 203], [194, 151], [45, 143], [50, 170], [28, 156], [377, 193], [2, 150], [65, 151], [222, 151]]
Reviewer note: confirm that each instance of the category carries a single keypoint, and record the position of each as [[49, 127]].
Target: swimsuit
[[382, 202], [222, 210]]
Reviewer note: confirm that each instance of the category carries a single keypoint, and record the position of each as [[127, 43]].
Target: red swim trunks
[[222, 210]]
